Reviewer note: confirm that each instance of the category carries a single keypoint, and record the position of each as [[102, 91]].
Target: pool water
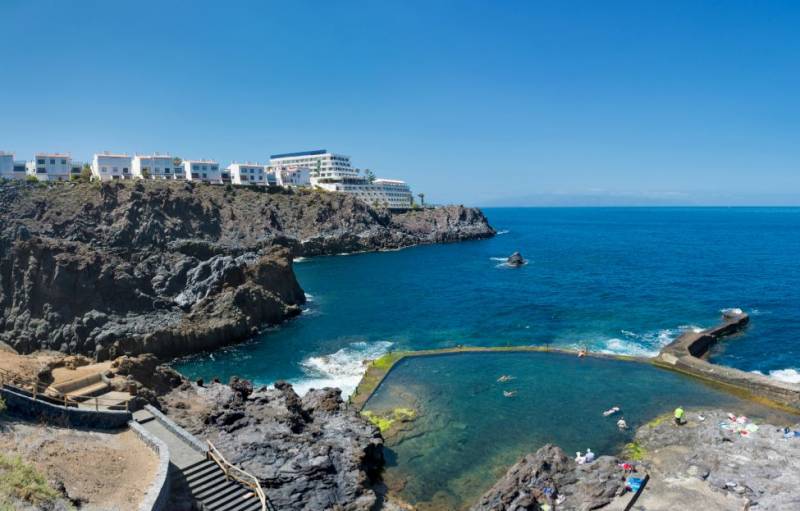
[[468, 433]]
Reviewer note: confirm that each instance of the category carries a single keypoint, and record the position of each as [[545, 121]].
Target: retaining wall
[[36, 409], [177, 430], [157, 496]]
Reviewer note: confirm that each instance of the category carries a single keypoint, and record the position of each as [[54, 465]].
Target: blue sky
[[474, 102]]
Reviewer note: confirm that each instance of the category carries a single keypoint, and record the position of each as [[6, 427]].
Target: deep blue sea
[[621, 280]]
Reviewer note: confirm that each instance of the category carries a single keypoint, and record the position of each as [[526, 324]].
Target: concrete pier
[[688, 354]]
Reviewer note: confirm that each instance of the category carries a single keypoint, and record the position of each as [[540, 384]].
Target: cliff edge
[[174, 268]]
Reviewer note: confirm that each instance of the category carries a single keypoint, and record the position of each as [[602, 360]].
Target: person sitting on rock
[[679, 416]]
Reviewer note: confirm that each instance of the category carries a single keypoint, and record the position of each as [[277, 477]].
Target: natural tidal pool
[[467, 432]]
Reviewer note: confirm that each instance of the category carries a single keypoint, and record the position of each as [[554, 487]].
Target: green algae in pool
[[467, 432]]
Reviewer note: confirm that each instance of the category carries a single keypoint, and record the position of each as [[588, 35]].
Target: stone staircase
[[208, 484], [192, 473]]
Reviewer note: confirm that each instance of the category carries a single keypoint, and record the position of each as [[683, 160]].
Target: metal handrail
[[240, 475]]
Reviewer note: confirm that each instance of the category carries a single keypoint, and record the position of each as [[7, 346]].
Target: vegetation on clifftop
[[20, 481]]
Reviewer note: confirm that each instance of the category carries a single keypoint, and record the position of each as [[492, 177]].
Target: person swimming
[[509, 393], [504, 378], [611, 411], [621, 424]]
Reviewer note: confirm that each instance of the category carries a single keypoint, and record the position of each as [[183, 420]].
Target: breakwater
[[687, 354]]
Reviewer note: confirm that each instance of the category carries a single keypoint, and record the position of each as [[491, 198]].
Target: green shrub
[[2, 405], [21, 481]]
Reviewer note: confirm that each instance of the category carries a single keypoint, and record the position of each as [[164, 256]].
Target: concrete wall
[[36, 409], [157, 496], [687, 355], [168, 423]]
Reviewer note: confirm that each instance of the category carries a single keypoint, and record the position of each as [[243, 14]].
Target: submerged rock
[[515, 260]]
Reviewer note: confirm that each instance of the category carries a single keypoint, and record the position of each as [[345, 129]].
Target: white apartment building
[[206, 171], [156, 166], [396, 194], [75, 168], [251, 174], [385, 193], [10, 169], [108, 167], [321, 163], [292, 177], [50, 167]]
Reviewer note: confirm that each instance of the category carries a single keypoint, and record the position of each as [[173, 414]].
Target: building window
[[63, 162], [195, 175], [52, 161], [40, 161]]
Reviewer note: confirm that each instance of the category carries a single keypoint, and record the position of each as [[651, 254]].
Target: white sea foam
[[504, 262], [309, 297], [503, 231], [299, 259], [734, 311], [648, 344], [342, 369], [785, 375]]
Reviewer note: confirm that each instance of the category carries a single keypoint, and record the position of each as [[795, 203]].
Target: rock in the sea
[[515, 259], [549, 474], [310, 453]]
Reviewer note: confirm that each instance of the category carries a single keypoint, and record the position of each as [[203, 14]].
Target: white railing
[[233, 472]]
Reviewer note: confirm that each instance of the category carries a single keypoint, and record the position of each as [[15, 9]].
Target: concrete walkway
[[194, 476], [181, 454]]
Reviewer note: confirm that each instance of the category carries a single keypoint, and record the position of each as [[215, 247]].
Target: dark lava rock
[[310, 453], [550, 473], [515, 260], [116, 269]]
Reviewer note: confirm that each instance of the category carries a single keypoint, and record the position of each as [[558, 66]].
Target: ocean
[[618, 280]]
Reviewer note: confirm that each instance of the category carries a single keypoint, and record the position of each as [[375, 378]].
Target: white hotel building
[[333, 172], [50, 167], [156, 166], [108, 167], [10, 169], [251, 174], [206, 171]]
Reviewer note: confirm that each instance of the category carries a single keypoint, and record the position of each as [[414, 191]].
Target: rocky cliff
[[308, 453], [175, 268]]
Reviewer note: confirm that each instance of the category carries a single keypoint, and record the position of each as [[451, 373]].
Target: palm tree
[[421, 198], [370, 176]]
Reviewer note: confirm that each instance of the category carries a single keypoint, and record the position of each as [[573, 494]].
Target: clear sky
[[489, 102]]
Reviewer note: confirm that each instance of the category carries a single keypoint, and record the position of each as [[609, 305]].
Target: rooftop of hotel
[[201, 161], [112, 155], [316, 152], [390, 181], [56, 155]]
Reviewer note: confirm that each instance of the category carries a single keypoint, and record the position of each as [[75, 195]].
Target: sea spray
[[342, 369], [784, 375]]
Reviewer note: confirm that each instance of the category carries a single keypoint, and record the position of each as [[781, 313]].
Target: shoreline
[[680, 356]]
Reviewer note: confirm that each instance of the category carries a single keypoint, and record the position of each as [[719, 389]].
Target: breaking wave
[[342, 369], [648, 344], [503, 231], [299, 259], [785, 375]]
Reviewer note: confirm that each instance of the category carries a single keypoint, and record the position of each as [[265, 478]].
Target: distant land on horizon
[[655, 199]]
